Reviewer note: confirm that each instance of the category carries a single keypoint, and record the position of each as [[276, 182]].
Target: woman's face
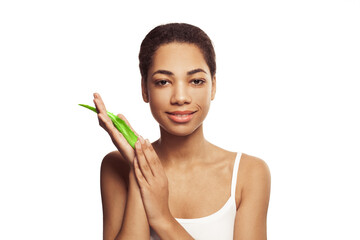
[[179, 88]]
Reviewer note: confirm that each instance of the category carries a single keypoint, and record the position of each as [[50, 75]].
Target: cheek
[[158, 102], [203, 100], [202, 97], [158, 98]]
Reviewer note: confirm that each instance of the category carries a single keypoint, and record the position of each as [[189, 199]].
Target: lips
[[181, 112], [181, 116]]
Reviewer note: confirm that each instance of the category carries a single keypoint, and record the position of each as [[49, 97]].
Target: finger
[[139, 176], [143, 163], [119, 141], [144, 166], [99, 103], [153, 152], [107, 124], [152, 158], [117, 138], [122, 117], [101, 110], [104, 120]]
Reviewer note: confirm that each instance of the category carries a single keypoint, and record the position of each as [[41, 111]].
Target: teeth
[[178, 115]]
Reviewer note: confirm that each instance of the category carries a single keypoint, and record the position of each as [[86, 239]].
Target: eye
[[198, 81], [162, 83]]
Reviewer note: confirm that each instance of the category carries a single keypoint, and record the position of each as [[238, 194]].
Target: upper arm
[[250, 221], [113, 182]]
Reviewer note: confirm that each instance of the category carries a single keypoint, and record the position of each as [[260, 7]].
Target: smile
[[181, 116]]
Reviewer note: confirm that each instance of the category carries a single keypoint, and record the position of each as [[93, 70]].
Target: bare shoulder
[[253, 178], [115, 165], [251, 165], [114, 183], [113, 157], [255, 175], [251, 214], [253, 170]]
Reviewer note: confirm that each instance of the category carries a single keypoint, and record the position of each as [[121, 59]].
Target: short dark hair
[[175, 32]]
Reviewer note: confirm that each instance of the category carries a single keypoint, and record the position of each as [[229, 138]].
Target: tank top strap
[[235, 172]]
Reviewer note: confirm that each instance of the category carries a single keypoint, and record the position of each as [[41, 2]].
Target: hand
[[152, 181], [117, 138]]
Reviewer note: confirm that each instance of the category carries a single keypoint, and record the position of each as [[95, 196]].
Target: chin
[[181, 131]]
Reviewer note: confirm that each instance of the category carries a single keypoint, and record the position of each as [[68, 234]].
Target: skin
[[156, 183]]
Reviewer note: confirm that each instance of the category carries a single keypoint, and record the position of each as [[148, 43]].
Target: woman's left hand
[[153, 183]]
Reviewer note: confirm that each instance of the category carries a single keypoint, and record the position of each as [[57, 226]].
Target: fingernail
[[148, 142], [142, 140], [137, 144]]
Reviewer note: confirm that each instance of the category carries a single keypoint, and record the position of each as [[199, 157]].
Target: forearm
[[170, 229], [135, 224]]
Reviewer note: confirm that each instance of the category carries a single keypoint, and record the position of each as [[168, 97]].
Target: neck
[[181, 149]]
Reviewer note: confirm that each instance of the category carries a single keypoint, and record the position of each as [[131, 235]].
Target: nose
[[180, 95]]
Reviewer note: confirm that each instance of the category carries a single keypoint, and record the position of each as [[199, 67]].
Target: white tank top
[[219, 225]]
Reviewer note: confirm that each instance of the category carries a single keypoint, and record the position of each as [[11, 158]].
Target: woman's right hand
[[117, 138]]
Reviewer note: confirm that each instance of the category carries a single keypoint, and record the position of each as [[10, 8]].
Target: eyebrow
[[191, 72]]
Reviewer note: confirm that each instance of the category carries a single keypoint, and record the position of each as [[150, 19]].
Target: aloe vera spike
[[120, 125], [125, 129], [89, 107], [119, 120]]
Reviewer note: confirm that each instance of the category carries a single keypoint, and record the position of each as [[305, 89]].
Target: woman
[[180, 186]]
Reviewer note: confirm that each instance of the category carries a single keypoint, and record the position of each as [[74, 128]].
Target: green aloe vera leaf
[[120, 125]]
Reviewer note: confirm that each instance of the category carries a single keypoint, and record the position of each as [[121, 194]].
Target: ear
[[213, 88], [144, 90]]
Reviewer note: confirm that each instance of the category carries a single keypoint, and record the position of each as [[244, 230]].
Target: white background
[[288, 93]]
